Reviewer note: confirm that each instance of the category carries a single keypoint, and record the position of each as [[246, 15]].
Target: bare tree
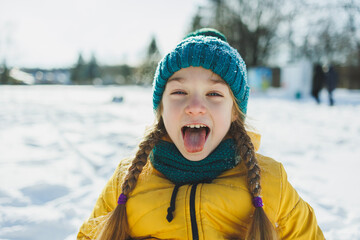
[[326, 31], [332, 35], [352, 9], [250, 26]]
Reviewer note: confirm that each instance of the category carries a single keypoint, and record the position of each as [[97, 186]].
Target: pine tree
[[4, 74], [196, 21], [78, 73], [93, 69], [147, 70]]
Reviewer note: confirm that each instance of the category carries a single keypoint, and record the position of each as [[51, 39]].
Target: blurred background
[[75, 99], [120, 42]]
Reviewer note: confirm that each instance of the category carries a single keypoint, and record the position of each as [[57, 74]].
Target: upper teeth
[[196, 126]]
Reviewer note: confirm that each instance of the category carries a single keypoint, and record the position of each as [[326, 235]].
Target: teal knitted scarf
[[167, 159]]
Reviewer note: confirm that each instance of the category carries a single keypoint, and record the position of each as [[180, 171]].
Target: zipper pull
[[171, 209]]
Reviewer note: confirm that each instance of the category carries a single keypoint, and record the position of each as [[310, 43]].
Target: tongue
[[194, 139]]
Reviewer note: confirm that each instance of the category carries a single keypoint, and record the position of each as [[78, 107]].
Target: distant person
[[318, 82], [196, 173], [331, 78]]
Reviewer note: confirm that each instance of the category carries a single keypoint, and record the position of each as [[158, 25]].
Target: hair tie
[[257, 201], [122, 199]]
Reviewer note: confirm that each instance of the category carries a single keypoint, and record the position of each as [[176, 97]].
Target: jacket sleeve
[[296, 219], [106, 202]]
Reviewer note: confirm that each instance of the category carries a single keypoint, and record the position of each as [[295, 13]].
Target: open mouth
[[194, 136]]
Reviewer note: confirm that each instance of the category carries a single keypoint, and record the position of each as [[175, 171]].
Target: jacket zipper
[[194, 227]]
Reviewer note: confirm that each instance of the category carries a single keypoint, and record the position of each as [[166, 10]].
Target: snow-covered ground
[[60, 144]]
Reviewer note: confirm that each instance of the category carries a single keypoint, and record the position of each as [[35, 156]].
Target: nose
[[195, 106]]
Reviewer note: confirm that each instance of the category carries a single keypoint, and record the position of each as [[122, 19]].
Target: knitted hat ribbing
[[210, 51]]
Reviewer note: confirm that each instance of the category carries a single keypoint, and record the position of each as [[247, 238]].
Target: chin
[[198, 156], [195, 156]]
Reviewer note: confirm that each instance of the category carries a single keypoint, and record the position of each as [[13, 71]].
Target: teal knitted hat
[[209, 49]]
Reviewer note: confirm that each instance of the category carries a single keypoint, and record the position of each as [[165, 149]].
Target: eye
[[178, 92], [214, 94]]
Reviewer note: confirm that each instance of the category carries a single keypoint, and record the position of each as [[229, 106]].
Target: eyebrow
[[180, 79], [215, 81]]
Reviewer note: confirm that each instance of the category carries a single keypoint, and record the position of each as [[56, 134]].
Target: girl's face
[[197, 111]]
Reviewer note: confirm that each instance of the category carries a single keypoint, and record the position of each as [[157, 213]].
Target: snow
[[60, 144]]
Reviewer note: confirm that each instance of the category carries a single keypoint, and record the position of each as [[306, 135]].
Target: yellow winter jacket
[[217, 210]]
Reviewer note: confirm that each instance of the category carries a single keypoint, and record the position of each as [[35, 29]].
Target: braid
[[247, 154], [141, 156], [260, 227], [116, 226]]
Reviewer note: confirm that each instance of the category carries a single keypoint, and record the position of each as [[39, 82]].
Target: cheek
[[225, 110], [167, 121], [172, 108], [167, 111], [170, 117], [226, 119], [226, 116]]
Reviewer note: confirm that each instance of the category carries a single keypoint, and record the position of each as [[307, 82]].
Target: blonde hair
[[260, 227], [116, 226]]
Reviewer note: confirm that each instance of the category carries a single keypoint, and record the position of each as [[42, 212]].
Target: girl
[[196, 174]]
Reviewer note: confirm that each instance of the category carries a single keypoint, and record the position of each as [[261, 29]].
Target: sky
[[41, 33], [51, 34]]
